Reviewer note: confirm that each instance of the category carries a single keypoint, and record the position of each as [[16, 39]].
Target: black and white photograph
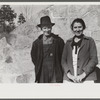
[[50, 44]]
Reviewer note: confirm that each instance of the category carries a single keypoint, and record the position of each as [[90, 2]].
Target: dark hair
[[79, 20]]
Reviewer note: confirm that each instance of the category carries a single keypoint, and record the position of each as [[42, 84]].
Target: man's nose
[[46, 29], [77, 29]]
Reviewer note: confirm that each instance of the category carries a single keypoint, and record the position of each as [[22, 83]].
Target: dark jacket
[[86, 61], [37, 56]]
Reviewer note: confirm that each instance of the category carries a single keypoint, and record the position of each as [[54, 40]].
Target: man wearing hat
[[46, 54]]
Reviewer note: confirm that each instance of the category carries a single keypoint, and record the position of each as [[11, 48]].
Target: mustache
[[47, 32]]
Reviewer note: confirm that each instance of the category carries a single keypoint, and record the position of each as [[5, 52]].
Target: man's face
[[77, 28], [46, 30]]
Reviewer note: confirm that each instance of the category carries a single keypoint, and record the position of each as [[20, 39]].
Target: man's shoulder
[[36, 41], [38, 38], [57, 37]]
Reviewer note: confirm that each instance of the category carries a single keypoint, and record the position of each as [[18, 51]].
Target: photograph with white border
[[20, 22]]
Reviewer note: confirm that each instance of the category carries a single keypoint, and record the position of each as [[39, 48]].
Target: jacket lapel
[[83, 42], [41, 47]]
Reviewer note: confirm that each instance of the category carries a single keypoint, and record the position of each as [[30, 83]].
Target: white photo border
[[39, 91]]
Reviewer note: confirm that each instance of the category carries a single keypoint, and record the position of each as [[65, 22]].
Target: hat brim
[[41, 25]]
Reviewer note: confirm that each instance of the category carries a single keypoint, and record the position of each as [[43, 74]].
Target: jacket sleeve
[[64, 59], [33, 53], [93, 58], [61, 47]]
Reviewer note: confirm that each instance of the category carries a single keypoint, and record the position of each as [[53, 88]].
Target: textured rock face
[[15, 60]]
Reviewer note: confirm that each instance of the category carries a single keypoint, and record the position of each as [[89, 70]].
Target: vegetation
[[21, 19]]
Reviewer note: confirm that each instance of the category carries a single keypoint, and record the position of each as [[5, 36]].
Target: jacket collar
[[53, 35], [84, 37], [83, 41]]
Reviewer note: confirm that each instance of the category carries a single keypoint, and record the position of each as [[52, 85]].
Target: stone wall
[[16, 64]]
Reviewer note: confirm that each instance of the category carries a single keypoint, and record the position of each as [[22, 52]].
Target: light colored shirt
[[75, 60]]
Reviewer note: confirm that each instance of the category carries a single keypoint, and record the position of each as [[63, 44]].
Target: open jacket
[[86, 60], [37, 57]]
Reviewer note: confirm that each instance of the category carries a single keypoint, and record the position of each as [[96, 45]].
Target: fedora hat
[[45, 21]]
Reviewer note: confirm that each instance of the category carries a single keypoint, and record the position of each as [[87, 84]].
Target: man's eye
[[44, 28]]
